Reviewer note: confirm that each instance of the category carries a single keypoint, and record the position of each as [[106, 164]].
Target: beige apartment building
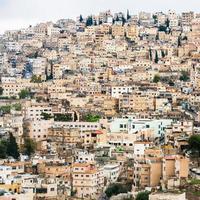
[[127, 140], [57, 71], [37, 130], [12, 89], [104, 28], [134, 102], [132, 32], [187, 17], [193, 36], [62, 135], [88, 180], [118, 31], [166, 171], [56, 170]]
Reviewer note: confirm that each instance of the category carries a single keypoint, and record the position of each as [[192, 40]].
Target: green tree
[[81, 18], [13, 97], [167, 23], [12, 147], [46, 116], [1, 97], [117, 188], [24, 94], [184, 76], [36, 79], [117, 18], [92, 118], [156, 78], [155, 18], [194, 144], [128, 15], [113, 21], [179, 41], [29, 146], [62, 117], [162, 28], [5, 109], [157, 36], [163, 53], [194, 147], [1, 90], [156, 57], [3, 149], [123, 20], [17, 106], [150, 54], [142, 196], [89, 21]]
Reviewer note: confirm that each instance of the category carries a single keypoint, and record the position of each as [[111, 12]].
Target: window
[[147, 126], [52, 189], [121, 126]]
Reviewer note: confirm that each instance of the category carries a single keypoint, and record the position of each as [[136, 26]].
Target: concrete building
[[111, 172], [88, 180], [132, 126], [167, 196]]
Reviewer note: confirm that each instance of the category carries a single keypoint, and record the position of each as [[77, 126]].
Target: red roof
[[98, 132]]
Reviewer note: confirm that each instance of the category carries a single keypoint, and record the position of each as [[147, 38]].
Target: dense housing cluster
[[107, 106]]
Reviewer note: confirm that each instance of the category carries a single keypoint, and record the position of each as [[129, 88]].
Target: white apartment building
[[173, 19], [5, 173], [34, 111], [84, 156], [38, 66], [139, 148], [51, 30], [8, 79], [133, 126], [111, 172], [167, 196], [116, 91], [13, 46]]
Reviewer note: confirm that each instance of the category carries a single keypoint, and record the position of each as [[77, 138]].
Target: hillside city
[[102, 107]]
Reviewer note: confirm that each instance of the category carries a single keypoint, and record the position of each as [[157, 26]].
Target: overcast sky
[[20, 13]]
